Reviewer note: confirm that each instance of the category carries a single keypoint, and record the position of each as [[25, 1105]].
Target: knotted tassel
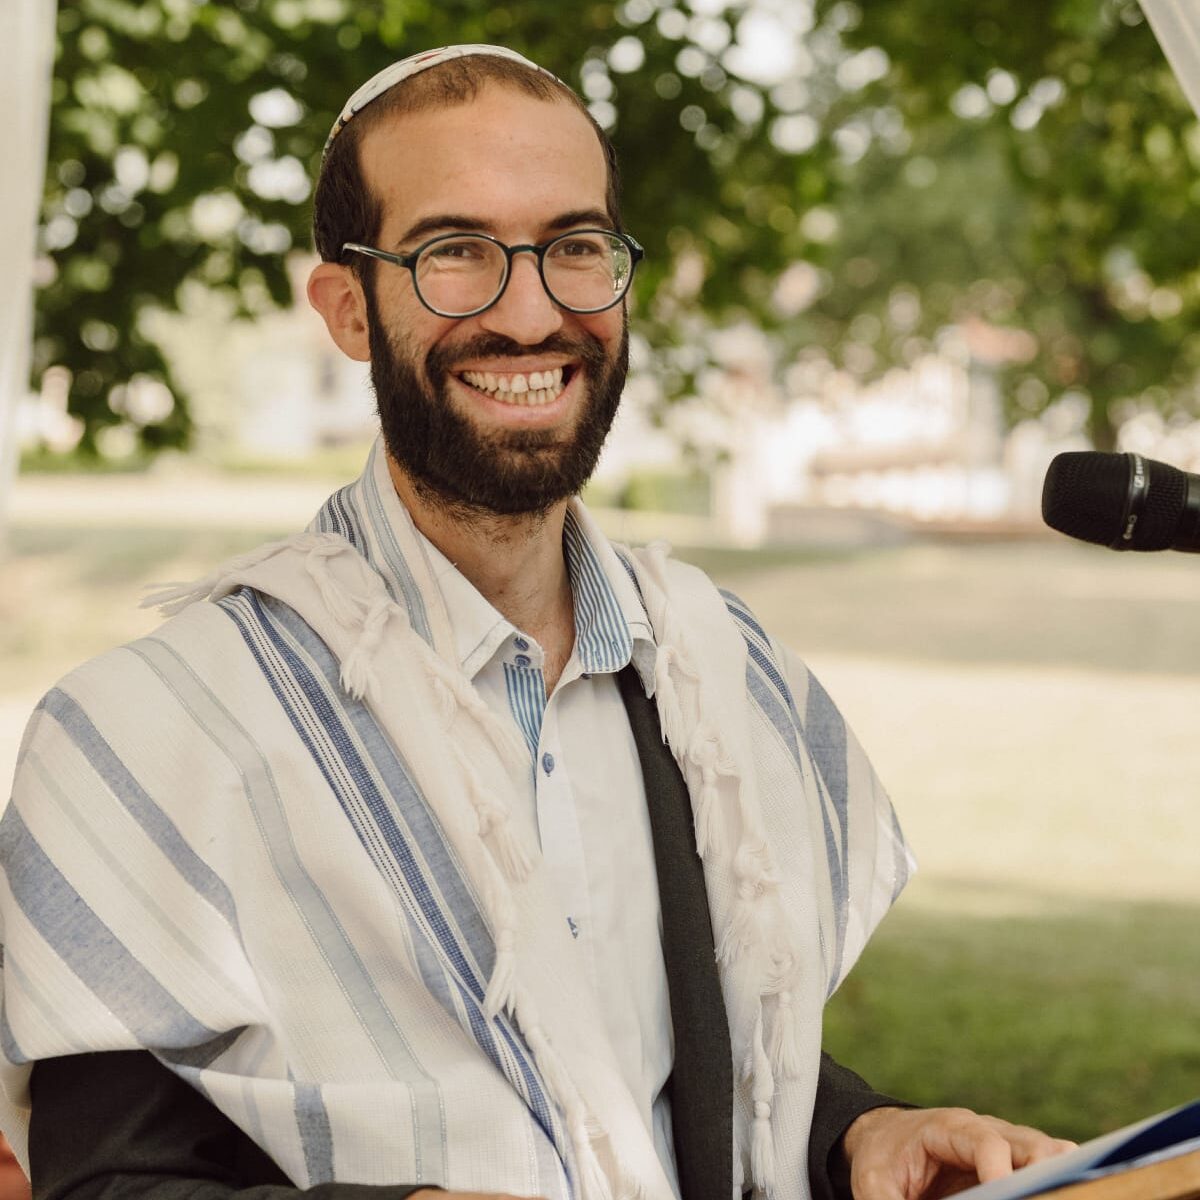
[[447, 704], [762, 1141], [358, 667], [704, 751], [171, 598], [339, 603], [666, 697], [741, 931], [762, 1148], [752, 867], [465, 698], [709, 826], [593, 1182], [495, 827], [501, 986], [784, 1042]]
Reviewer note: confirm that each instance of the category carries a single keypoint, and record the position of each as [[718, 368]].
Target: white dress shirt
[[587, 796]]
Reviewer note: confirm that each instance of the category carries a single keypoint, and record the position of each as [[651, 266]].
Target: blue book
[[1166, 1135]]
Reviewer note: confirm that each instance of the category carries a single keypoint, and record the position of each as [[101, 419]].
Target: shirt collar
[[611, 627]]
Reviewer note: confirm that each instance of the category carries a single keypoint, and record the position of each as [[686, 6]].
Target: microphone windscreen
[[1086, 493]]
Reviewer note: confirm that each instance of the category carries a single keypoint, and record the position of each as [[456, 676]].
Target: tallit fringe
[[666, 696], [783, 1041], [750, 939], [345, 608], [495, 828], [762, 1141], [594, 1183], [458, 693], [358, 675], [500, 995], [173, 597]]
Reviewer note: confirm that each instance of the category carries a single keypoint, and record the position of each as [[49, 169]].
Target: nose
[[524, 311]]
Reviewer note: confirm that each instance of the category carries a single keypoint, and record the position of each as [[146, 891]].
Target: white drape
[[27, 33], [1176, 24]]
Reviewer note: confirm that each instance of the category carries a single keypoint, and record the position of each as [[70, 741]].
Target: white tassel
[[358, 668], [762, 1149], [340, 604], [710, 829], [501, 988], [704, 750], [670, 713], [511, 856], [506, 741], [447, 705], [172, 598], [754, 867], [593, 1182], [514, 859], [740, 934], [762, 1141], [784, 1046]]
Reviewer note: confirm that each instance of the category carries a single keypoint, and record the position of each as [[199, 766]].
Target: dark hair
[[344, 209]]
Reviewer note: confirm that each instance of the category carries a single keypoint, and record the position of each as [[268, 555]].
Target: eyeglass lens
[[584, 271]]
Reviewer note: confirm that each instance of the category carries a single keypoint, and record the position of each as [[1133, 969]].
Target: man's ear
[[335, 292]]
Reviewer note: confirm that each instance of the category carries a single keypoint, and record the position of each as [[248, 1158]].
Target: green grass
[[1041, 1006], [1074, 1018]]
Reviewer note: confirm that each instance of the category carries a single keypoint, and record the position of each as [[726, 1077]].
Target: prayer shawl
[[276, 844]]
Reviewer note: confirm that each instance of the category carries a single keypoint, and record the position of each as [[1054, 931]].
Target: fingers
[[920, 1154]]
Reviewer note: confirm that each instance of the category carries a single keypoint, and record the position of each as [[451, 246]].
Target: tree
[[919, 163], [184, 137], [1030, 165]]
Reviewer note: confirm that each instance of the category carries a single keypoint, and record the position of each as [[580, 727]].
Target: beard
[[456, 465]]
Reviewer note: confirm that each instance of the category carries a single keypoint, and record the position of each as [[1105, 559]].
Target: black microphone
[[1122, 501]]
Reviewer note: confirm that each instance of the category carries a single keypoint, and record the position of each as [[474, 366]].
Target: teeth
[[534, 388]]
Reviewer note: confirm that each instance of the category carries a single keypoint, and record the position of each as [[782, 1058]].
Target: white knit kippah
[[407, 67]]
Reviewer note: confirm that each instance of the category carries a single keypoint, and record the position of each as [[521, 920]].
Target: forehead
[[511, 160]]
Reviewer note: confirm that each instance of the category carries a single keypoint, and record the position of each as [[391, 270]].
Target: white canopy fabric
[[27, 33], [1176, 24]]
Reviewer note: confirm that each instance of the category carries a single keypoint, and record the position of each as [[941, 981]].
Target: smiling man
[[447, 844]]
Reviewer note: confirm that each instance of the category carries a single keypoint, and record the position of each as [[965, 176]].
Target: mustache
[[441, 360]]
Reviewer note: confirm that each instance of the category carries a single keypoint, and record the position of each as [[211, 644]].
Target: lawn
[[1031, 708]]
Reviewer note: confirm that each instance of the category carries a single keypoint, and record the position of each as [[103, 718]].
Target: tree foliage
[[1027, 163], [184, 136], [1040, 175]]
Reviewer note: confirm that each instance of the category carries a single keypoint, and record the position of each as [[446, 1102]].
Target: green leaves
[[851, 180], [1062, 142]]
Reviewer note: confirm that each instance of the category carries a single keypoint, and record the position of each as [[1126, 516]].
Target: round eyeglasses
[[464, 274]]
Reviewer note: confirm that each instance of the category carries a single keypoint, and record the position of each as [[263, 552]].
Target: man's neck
[[515, 562]]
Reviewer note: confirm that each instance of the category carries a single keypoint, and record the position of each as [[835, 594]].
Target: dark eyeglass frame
[[409, 261]]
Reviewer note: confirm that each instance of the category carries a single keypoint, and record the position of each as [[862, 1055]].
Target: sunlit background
[[899, 254]]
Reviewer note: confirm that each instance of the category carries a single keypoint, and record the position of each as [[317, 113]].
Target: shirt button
[[520, 643], [547, 762], [522, 660]]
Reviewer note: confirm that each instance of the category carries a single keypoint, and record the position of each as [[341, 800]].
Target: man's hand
[[924, 1153]]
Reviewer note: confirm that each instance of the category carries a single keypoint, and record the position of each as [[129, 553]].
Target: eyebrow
[[460, 223]]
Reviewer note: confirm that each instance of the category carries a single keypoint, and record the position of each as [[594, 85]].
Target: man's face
[[460, 407]]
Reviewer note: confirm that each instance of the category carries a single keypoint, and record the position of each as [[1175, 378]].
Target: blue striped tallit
[[275, 844]]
